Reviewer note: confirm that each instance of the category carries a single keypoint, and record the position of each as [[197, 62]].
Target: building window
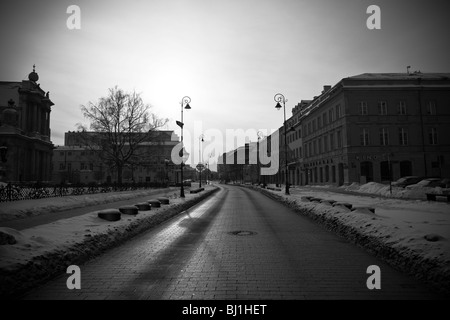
[[384, 137], [320, 145], [82, 166], [339, 139], [432, 134], [91, 166], [300, 152], [331, 115], [402, 108], [69, 167], [364, 137], [319, 122], [382, 108], [299, 133], [324, 118], [363, 108], [69, 153], [325, 144], [309, 128], [61, 153], [403, 136], [331, 141], [431, 107], [314, 125], [62, 166], [338, 111]]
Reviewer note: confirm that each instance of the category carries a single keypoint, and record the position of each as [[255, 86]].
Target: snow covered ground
[[413, 235], [48, 249], [26, 208], [385, 190]]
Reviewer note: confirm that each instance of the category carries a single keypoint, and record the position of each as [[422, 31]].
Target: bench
[[433, 196]]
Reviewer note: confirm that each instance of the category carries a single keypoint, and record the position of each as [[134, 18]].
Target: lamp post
[[280, 98], [184, 104], [200, 162], [166, 162], [260, 136]]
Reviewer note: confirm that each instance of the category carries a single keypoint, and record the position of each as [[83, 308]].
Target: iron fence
[[17, 192]]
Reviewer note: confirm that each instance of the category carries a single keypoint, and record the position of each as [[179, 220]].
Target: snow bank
[[26, 208], [47, 250], [374, 188]]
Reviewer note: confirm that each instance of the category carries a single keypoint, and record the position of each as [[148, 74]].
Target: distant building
[[370, 127], [238, 165], [77, 163], [25, 131], [373, 127]]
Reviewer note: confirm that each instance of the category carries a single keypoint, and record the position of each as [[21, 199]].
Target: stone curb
[[14, 283], [429, 271]]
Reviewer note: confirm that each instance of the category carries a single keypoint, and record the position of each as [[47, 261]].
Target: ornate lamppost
[[260, 137], [200, 162], [280, 98], [184, 105]]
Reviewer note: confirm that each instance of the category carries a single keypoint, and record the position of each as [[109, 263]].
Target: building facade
[[373, 127], [77, 163], [25, 131], [369, 127]]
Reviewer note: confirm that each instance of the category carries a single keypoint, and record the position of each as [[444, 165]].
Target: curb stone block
[[109, 214], [143, 206], [155, 203], [129, 210], [6, 238], [364, 208], [163, 200], [345, 204]]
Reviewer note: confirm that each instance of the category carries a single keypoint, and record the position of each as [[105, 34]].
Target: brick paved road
[[194, 256]]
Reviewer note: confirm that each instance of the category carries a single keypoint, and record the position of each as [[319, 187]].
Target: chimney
[[326, 88]]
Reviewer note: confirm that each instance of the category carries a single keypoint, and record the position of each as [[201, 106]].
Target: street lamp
[[260, 136], [184, 104], [200, 162], [166, 162], [280, 98]]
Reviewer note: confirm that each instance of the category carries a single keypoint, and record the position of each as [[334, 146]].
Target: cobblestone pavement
[[238, 244]]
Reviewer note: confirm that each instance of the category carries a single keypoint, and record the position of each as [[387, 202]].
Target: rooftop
[[401, 76]]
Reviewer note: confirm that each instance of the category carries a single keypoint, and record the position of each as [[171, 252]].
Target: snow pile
[[412, 235], [47, 250], [26, 208], [385, 190]]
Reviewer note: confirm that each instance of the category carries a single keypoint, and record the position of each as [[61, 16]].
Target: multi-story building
[[240, 164], [75, 162], [25, 131], [373, 127]]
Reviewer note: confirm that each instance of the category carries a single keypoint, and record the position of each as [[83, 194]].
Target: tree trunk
[[119, 173]]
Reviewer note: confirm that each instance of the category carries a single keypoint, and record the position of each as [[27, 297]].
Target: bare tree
[[119, 123]]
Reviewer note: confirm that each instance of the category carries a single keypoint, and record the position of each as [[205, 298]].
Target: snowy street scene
[[225, 159]]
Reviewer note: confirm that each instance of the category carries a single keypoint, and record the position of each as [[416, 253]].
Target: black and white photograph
[[225, 158]]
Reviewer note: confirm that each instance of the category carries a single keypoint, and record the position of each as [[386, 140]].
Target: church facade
[[26, 148]]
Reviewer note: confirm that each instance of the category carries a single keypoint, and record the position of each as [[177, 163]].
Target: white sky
[[229, 56]]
